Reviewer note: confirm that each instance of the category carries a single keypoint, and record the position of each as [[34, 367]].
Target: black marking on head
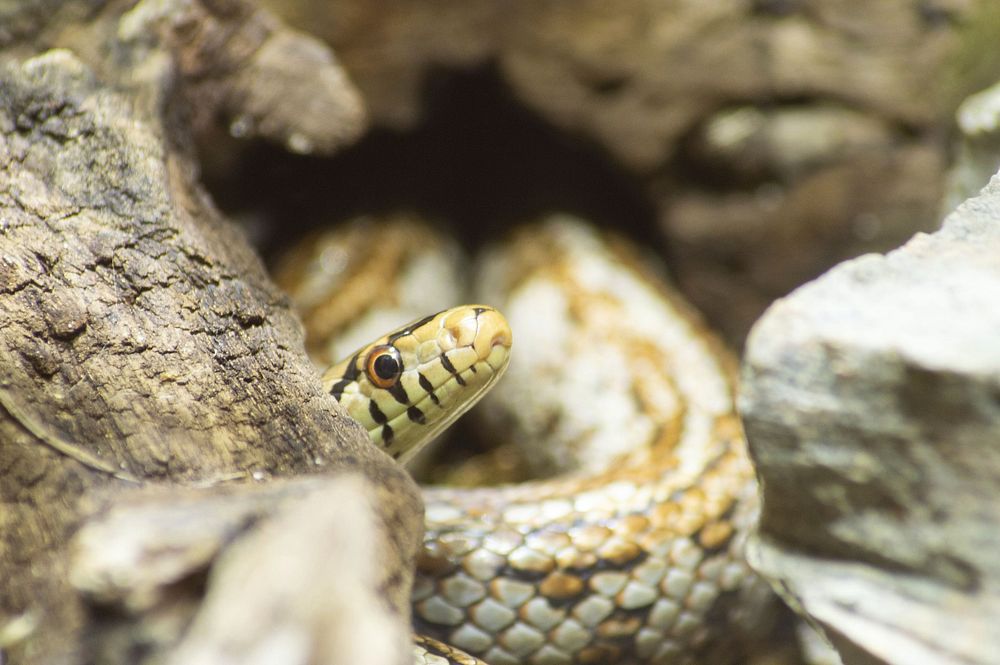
[[352, 372], [399, 392], [337, 390], [387, 435], [451, 368], [478, 310], [376, 413], [429, 387], [416, 415], [408, 330], [424, 321], [350, 375], [391, 339]]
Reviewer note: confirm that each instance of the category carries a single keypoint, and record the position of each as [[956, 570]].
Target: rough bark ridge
[[140, 337]]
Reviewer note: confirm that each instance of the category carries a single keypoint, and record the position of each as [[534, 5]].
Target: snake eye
[[384, 366]]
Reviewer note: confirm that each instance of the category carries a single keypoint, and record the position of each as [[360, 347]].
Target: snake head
[[408, 385]]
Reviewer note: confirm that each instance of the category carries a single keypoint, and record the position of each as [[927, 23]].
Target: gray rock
[[871, 399]]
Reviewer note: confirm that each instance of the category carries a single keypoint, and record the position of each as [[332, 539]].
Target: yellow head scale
[[407, 386]]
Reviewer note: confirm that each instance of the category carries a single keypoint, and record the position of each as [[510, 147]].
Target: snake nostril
[[501, 338]]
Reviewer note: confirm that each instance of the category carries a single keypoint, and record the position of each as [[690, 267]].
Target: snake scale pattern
[[630, 548]]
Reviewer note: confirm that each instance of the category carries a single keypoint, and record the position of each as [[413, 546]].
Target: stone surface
[[871, 399], [787, 193]]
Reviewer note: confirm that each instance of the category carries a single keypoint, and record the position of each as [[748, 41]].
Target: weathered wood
[[143, 346], [293, 572]]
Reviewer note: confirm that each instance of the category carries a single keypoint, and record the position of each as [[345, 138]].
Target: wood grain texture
[[141, 340]]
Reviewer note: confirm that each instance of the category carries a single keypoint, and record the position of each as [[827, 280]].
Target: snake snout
[[501, 339], [493, 338]]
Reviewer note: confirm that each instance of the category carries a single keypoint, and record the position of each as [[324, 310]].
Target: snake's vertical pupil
[[384, 366]]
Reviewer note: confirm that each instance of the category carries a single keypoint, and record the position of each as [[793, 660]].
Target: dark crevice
[[776, 8], [478, 163]]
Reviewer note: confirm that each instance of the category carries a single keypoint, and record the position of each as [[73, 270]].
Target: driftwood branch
[[155, 388], [290, 568]]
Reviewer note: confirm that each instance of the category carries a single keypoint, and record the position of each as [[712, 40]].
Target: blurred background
[[752, 144]]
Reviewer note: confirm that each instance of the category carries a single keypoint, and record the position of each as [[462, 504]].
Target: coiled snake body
[[632, 552]]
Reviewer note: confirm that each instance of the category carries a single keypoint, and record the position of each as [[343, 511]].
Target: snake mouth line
[[446, 414]]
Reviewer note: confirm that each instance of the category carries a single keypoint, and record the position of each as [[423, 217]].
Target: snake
[[628, 545], [408, 385]]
